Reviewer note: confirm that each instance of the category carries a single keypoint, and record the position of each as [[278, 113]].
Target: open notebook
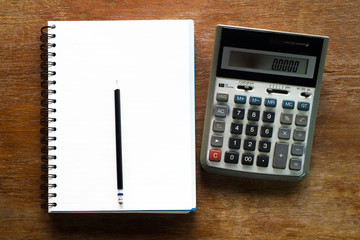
[[153, 62]]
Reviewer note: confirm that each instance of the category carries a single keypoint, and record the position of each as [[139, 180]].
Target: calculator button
[[220, 111], [238, 113], [297, 150], [270, 102], [216, 141], [234, 143], [286, 118], [284, 133], [288, 104], [218, 126], [222, 97], [255, 101], [303, 106], [236, 128], [231, 157], [251, 130], [215, 155], [295, 164], [240, 99], [299, 135], [301, 120], [268, 117], [262, 161], [247, 159], [266, 131], [264, 146], [249, 145], [280, 155], [253, 115]]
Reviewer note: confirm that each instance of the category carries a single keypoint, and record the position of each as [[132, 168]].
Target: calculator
[[262, 102]]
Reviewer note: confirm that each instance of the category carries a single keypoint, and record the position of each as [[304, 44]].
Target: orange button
[[215, 155]]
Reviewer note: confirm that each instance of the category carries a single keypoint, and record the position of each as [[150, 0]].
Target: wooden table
[[325, 205]]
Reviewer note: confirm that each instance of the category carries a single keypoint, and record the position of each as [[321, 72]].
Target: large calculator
[[262, 101]]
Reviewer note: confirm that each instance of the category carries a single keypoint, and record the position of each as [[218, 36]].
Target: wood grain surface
[[326, 205]]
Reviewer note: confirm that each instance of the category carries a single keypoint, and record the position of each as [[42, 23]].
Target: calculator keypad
[[258, 131]]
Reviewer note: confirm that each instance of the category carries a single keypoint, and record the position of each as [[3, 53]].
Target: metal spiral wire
[[47, 103]]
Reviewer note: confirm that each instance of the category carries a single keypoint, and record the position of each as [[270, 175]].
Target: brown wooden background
[[325, 205]]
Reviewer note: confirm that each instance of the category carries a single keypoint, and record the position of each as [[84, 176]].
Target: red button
[[215, 155]]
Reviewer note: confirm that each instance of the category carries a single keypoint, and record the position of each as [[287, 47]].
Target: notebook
[[153, 62]]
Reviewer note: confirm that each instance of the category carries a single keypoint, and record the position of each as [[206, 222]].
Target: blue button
[[240, 99], [288, 104], [270, 102], [304, 106], [255, 100]]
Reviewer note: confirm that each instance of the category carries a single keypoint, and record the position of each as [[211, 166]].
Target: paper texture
[[153, 62]]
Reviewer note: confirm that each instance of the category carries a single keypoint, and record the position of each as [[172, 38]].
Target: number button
[[249, 145], [264, 146], [232, 157], [253, 115], [266, 131], [247, 159], [220, 111], [268, 117], [251, 130], [236, 128], [238, 113], [234, 143]]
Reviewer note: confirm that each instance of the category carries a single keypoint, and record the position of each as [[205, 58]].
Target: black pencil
[[118, 145]]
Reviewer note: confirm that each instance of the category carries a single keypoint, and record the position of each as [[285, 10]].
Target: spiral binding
[[46, 110]]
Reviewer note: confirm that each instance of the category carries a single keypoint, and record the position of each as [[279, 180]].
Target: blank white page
[[153, 62]]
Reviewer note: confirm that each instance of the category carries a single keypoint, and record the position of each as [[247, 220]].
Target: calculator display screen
[[268, 62]]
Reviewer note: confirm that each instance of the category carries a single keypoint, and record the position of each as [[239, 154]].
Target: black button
[[247, 159], [253, 115], [251, 130], [238, 113], [249, 144], [264, 146], [266, 131], [262, 161], [268, 117], [234, 143], [236, 128], [231, 157]]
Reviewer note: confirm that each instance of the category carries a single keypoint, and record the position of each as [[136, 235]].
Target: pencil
[[119, 167]]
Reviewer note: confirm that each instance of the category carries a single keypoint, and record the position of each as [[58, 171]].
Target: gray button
[[297, 149], [295, 164], [301, 120], [220, 111], [218, 126], [286, 118], [222, 97], [216, 141], [299, 135], [280, 155], [284, 133]]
